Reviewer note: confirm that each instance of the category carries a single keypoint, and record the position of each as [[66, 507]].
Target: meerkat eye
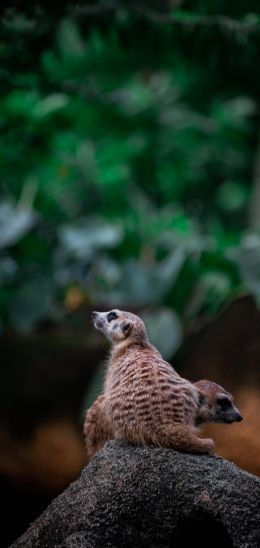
[[202, 399], [111, 316], [223, 402]]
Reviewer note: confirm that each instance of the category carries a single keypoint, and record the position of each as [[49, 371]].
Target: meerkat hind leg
[[184, 438], [97, 429]]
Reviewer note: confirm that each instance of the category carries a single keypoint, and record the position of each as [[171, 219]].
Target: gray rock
[[149, 497]]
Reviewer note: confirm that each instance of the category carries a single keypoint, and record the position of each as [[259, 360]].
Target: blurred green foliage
[[127, 149]]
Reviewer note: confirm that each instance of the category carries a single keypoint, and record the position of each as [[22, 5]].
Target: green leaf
[[81, 241], [50, 105], [15, 222], [69, 40]]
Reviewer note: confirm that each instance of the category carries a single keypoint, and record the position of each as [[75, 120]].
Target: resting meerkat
[[145, 401]]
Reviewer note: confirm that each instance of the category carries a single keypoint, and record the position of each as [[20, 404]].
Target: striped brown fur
[[145, 401]]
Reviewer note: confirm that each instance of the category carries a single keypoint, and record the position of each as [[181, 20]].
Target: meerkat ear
[[126, 327], [202, 397]]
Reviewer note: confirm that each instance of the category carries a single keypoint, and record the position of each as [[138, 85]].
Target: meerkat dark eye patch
[[126, 326], [202, 399], [111, 316], [224, 402]]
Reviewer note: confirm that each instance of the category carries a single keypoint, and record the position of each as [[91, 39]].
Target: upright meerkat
[[145, 401]]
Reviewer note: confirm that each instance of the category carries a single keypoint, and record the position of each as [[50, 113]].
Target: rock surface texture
[[149, 497]]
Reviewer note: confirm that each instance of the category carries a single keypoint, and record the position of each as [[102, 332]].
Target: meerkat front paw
[[209, 446]]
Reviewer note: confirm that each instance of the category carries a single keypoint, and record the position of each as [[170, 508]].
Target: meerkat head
[[215, 404], [119, 326]]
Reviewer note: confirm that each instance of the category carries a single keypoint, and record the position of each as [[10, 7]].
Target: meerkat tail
[[97, 430]]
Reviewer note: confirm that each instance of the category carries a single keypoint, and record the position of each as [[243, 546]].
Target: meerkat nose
[[93, 315], [239, 417]]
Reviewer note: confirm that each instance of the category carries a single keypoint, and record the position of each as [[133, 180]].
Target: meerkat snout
[[93, 316], [95, 319], [226, 411], [98, 319]]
